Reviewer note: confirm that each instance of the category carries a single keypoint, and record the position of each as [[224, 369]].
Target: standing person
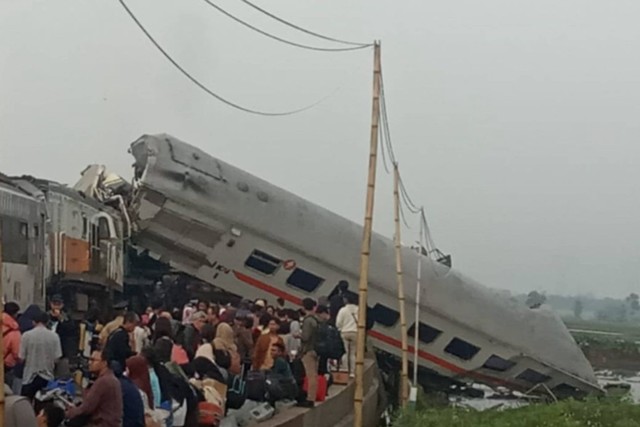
[[213, 316], [102, 403], [110, 327], [61, 324], [141, 335], [337, 299], [347, 324], [163, 339], [324, 318], [25, 323], [243, 337], [308, 341], [224, 345], [192, 336], [262, 359], [11, 341], [118, 348], [39, 348], [292, 341]]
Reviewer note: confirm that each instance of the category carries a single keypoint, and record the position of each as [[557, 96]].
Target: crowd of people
[[187, 367]]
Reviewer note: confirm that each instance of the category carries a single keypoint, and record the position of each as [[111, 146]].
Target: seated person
[[280, 364], [50, 416], [18, 411]]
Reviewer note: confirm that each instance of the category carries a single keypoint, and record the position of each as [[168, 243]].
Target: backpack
[[328, 341], [256, 385]]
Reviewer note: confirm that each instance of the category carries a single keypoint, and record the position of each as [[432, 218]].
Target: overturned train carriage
[[55, 239], [249, 237]]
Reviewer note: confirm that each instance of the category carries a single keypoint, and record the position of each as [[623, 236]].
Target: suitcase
[[321, 392]]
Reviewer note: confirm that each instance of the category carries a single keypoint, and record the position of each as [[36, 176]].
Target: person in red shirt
[[10, 339]]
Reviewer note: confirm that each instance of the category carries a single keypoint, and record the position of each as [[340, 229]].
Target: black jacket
[[118, 348]]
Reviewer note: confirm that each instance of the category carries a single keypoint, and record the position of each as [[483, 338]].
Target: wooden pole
[[1, 341], [416, 342], [366, 242], [404, 383]]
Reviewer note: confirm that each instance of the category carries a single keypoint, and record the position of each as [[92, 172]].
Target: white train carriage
[[249, 237]]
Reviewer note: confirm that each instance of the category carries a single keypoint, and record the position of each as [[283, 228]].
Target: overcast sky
[[515, 122]]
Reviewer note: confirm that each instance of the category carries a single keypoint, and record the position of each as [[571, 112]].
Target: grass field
[[628, 330], [609, 412]]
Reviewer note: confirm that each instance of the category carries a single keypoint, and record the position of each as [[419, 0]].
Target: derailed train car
[[249, 237], [56, 240]]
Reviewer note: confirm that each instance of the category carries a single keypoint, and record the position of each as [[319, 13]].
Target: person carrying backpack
[[329, 344]]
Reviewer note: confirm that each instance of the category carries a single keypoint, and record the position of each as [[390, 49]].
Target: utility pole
[[404, 383], [366, 241], [1, 341], [414, 389]]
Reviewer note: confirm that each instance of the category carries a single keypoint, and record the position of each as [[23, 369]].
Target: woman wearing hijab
[[205, 349], [224, 347]]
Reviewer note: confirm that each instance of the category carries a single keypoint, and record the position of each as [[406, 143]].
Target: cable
[[201, 85], [382, 150], [406, 198], [271, 15], [264, 33]]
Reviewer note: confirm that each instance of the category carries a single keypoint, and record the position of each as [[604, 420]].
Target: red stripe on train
[[374, 334]]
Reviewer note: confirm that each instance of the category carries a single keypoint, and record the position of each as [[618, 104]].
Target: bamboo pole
[[366, 242], [404, 383], [416, 343], [1, 341]]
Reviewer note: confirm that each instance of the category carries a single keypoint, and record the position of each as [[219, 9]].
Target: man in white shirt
[[347, 324], [39, 348]]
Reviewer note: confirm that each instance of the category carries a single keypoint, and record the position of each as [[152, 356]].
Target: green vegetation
[[609, 412]]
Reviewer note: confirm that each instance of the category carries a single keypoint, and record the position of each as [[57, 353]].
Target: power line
[[264, 33], [304, 30], [201, 85], [387, 151]]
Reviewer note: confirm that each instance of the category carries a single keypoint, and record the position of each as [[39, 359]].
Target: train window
[[15, 240], [462, 349], [304, 280], [426, 333], [384, 315], [24, 230], [566, 390], [263, 262], [85, 226], [497, 363], [103, 229], [532, 376]]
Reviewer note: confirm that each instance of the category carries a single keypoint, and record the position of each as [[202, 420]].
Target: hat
[[56, 298], [260, 303], [198, 315], [122, 305]]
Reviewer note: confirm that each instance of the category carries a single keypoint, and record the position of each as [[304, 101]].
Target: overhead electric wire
[[201, 85], [407, 201], [264, 33], [304, 30]]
